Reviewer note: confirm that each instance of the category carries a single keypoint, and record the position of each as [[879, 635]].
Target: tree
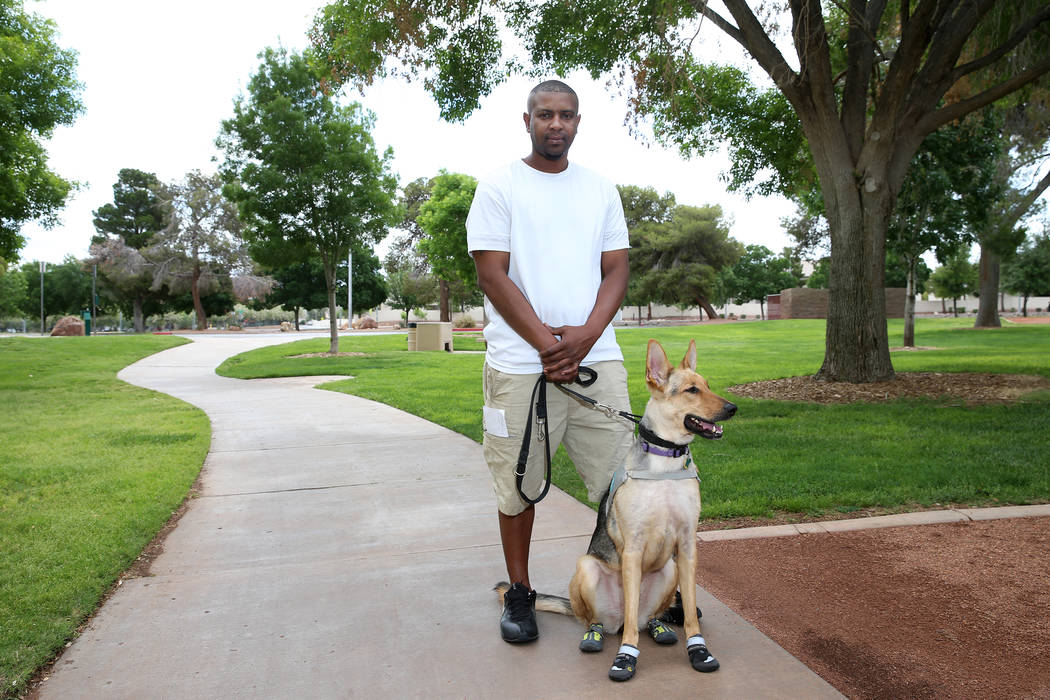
[[126, 227], [819, 278], [443, 218], [67, 289], [944, 201], [299, 286], [13, 289], [1028, 273], [873, 79], [1024, 138], [38, 91], [759, 273], [956, 278], [408, 288], [201, 246], [304, 171], [686, 255], [126, 277], [644, 209], [136, 213]]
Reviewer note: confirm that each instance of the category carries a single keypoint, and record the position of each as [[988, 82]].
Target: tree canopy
[[1028, 273], [304, 171], [136, 213], [867, 82], [38, 91]]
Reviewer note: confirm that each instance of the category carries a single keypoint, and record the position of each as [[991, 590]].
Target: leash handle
[[538, 401]]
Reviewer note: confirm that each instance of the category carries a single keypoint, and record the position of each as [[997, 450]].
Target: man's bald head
[[550, 86]]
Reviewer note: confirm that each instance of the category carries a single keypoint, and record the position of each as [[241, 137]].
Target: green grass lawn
[[776, 458], [90, 470]]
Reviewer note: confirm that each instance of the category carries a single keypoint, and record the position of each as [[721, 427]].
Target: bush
[[463, 322]]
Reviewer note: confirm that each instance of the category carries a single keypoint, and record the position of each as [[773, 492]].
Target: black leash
[[538, 402]]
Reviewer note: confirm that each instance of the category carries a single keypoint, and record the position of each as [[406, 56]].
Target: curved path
[[342, 548]]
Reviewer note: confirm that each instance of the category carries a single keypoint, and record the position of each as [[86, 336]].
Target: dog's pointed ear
[[689, 361], [657, 368]]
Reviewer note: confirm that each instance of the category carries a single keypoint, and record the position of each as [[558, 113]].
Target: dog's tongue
[[701, 427]]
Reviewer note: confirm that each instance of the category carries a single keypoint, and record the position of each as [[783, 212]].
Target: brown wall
[[802, 302]]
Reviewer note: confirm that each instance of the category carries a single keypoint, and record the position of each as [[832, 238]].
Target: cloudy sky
[[159, 78]]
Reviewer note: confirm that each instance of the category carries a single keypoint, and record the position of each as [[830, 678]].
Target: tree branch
[[753, 37], [1016, 38], [860, 52], [721, 22], [934, 120], [1021, 206]]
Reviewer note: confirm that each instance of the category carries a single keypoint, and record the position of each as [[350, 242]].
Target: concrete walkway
[[341, 548]]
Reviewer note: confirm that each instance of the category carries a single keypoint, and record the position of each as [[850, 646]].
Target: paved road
[[341, 548]]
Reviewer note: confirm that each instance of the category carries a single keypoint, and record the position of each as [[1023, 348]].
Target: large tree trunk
[[198, 307], [136, 315], [857, 341], [297, 319], [446, 314], [987, 308], [909, 306]]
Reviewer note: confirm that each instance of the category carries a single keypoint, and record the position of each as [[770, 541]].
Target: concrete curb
[[930, 517]]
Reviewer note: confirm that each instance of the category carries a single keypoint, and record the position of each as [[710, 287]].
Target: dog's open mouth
[[696, 424]]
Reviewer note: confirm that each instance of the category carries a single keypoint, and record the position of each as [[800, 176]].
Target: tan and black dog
[[644, 544]]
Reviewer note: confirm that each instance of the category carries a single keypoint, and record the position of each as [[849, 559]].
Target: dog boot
[[625, 663], [592, 638], [675, 615], [661, 633], [518, 622], [699, 656]]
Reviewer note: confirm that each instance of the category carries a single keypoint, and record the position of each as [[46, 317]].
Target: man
[[550, 243]]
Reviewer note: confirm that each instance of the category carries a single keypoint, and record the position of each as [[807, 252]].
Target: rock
[[365, 322], [286, 326], [68, 325]]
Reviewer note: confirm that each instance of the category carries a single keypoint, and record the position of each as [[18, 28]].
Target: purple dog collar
[[676, 451]]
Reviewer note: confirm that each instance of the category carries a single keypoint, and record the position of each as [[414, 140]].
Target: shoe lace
[[519, 605]]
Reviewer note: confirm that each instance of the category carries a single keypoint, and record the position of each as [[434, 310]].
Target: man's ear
[[528, 118]]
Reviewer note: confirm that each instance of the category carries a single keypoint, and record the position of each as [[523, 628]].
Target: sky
[[159, 78]]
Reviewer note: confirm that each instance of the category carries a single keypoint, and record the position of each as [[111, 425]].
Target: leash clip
[[609, 411]]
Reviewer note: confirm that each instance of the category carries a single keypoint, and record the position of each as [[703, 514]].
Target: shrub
[[463, 322]]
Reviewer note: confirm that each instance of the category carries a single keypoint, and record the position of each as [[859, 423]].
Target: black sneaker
[[675, 615], [701, 659], [592, 638], [660, 632], [518, 623], [624, 665]]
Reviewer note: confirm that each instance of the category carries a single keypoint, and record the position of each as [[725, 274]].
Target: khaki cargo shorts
[[596, 443]]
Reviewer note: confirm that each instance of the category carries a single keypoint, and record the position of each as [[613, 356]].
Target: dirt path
[[937, 611]]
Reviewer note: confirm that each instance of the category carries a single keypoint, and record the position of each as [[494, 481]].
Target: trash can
[[411, 336], [86, 315], [434, 335]]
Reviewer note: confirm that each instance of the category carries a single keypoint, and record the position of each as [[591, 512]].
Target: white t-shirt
[[555, 227]]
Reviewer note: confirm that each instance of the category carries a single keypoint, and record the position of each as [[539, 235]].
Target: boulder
[[68, 325], [365, 322], [286, 326]]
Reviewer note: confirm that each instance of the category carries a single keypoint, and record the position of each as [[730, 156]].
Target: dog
[[644, 542]]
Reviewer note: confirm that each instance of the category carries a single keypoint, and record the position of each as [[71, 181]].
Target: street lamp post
[[43, 269]]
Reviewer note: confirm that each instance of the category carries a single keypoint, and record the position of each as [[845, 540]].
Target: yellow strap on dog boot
[[593, 638]]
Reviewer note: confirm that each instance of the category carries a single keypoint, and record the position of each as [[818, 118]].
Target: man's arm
[[492, 267], [561, 361]]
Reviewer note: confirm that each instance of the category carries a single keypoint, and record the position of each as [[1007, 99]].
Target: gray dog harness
[[623, 474]]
